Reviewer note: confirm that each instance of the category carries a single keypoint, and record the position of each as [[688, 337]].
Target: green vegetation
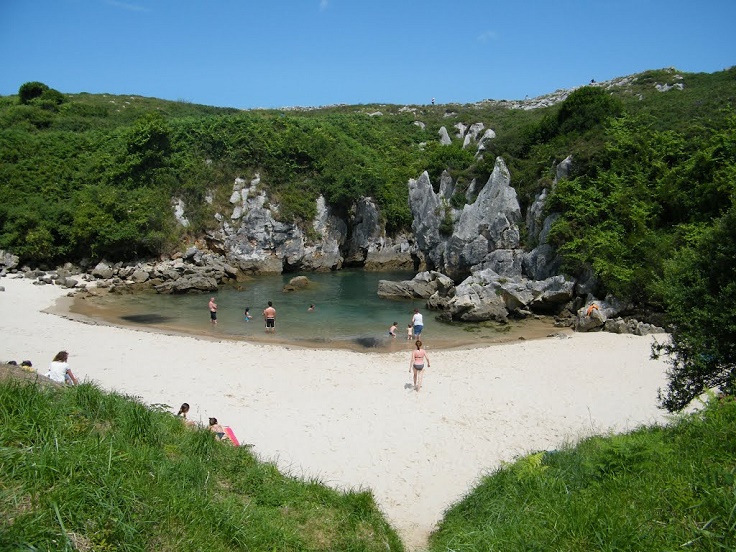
[[699, 285], [657, 488], [81, 469], [91, 176]]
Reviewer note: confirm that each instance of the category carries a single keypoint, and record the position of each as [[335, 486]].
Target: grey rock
[[187, 284], [585, 323], [70, 283], [103, 270], [489, 223], [179, 206], [428, 214], [447, 186], [8, 260], [297, 283], [422, 286], [139, 276], [445, 139]]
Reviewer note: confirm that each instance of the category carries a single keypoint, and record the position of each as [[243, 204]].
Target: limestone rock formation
[[485, 234]]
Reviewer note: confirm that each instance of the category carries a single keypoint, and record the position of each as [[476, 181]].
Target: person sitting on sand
[[217, 429], [416, 363], [392, 330], [59, 370]]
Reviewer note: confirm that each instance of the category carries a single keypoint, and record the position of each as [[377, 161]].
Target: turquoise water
[[348, 313]]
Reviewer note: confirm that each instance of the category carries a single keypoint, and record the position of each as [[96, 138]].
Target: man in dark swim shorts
[[269, 315], [213, 310]]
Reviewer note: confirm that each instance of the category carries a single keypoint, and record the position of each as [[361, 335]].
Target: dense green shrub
[[30, 91], [586, 108], [698, 287]]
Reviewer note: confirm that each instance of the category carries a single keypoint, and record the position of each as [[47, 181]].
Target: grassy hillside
[[656, 488], [86, 175], [82, 469]]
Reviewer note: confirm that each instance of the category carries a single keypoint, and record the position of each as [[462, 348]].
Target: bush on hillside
[[30, 91], [698, 287]]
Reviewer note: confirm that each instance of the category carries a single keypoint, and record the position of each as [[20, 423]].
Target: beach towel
[[231, 435]]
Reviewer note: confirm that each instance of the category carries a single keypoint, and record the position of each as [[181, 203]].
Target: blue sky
[[278, 53]]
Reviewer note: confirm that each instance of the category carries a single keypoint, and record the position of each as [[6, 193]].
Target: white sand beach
[[350, 419]]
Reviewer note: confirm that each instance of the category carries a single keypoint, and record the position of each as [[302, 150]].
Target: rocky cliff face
[[483, 235], [252, 238]]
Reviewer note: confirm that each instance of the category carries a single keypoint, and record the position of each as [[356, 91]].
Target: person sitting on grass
[[59, 370], [217, 429], [183, 411]]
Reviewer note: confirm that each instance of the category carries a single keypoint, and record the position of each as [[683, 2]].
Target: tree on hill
[[699, 286], [30, 91], [37, 93]]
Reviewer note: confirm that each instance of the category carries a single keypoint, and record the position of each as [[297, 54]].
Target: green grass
[[82, 469], [657, 488]]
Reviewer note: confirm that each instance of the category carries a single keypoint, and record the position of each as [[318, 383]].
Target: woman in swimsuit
[[417, 361]]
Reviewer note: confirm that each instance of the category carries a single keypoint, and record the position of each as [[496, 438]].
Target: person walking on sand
[[418, 322], [213, 311], [269, 315], [417, 361], [59, 370]]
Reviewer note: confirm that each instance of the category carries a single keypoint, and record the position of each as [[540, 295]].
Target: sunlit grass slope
[[657, 488], [82, 469]]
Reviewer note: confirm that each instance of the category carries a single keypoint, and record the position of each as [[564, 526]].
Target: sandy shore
[[350, 419]]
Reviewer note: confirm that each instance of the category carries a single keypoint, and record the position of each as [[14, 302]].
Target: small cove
[[348, 314]]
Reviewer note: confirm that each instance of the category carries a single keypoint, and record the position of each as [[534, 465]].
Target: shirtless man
[[269, 315], [213, 310]]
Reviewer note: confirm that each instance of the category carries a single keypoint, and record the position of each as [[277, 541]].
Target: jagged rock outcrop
[[253, 239], [485, 233], [445, 139], [427, 212], [485, 295], [179, 207], [542, 261], [257, 242], [369, 247]]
